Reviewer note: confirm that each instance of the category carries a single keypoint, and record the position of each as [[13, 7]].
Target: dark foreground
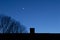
[[29, 36]]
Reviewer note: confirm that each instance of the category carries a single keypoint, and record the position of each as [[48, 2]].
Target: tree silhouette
[[9, 25]]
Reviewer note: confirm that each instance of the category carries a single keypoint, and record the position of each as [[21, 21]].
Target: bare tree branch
[[8, 25]]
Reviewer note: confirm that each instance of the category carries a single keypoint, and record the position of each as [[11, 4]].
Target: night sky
[[43, 15]]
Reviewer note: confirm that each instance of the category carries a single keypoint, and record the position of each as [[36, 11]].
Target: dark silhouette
[[9, 25], [32, 30]]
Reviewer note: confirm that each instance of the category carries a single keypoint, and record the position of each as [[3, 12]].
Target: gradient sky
[[43, 15]]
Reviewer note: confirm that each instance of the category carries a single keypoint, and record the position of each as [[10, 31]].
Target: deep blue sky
[[43, 15]]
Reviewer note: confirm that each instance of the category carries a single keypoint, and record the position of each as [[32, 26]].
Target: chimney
[[32, 30]]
